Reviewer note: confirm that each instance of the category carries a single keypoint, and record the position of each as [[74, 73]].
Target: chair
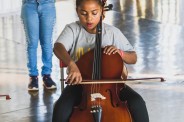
[[63, 74]]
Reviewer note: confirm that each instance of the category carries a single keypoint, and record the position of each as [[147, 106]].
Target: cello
[[100, 101]]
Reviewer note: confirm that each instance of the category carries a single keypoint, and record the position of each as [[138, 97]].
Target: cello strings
[[97, 62], [96, 74], [100, 56], [99, 59]]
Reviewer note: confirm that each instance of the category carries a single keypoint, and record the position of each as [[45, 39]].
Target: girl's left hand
[[110, 50]]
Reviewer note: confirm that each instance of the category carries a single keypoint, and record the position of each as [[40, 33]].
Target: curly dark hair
[[100, 2]]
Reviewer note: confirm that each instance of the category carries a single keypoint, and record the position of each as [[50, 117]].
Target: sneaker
[[33, 84], [48, 82]]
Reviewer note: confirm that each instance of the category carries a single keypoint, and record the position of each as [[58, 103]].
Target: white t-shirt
[[78, 41]]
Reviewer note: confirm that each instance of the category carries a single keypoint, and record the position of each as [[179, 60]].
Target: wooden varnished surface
[[153, 27]]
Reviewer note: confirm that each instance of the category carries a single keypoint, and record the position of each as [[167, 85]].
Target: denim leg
[[136, 104], [30, 20], [47, 21]]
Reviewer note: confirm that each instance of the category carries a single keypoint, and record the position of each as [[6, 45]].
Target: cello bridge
[[94, 96]]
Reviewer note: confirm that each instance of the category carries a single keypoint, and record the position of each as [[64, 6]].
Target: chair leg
[[5, 97], [62, 77]]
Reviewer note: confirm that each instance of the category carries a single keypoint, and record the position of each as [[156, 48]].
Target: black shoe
[[33, 84], [48, 82]]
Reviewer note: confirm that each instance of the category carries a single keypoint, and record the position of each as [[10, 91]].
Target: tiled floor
[[154, 28]]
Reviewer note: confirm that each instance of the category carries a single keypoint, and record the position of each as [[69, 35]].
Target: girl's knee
[[136, 101]]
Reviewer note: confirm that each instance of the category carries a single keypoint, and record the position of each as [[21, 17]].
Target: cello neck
[[96, 74]]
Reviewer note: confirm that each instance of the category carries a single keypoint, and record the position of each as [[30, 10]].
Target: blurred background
[[154, 27]]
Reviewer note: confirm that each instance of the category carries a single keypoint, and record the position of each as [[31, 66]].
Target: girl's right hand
[[74, 75]]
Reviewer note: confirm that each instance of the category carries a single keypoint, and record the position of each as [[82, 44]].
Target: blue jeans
[[39, 17]]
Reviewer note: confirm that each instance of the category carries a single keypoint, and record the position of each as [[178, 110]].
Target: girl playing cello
[[78, 38]]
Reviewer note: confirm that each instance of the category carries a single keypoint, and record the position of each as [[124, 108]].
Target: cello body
[[113, 110]]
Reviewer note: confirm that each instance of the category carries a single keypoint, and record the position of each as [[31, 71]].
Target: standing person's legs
[[47, 21], [30, 19], [47, 15], [136, 104], [70, 96]]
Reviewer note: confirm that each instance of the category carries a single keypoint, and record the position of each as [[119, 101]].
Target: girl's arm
[[74, 75], [62, 54], [129, 57]]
